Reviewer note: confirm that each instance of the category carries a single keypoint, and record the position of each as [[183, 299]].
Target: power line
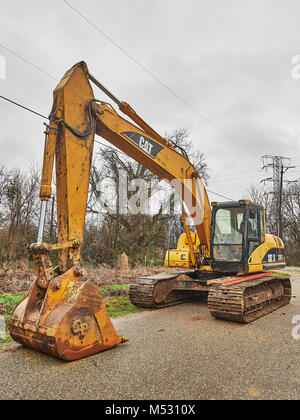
[[150, 73], [220, 195], [109, 147], [24, 107], [144, 68], [229, 177], [101, 32], [96, 141], [46, 118], [28, 62], [238, 180]]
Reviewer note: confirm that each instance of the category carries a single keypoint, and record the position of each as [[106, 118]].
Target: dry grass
[[18, 278], [103, 276]]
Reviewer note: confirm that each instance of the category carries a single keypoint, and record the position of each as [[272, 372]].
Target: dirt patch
[[4, 307], [195, 318], [16, 280], [9, 347]]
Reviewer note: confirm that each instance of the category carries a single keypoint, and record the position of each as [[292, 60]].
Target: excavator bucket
[[67, 320]]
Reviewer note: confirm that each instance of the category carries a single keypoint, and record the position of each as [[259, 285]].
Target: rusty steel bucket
[[67, 320]]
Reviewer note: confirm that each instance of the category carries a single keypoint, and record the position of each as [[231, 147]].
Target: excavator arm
[[75, 118], [72, 149], [161, 158]]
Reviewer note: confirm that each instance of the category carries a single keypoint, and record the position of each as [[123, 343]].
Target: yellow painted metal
[[73, 160], [48, 162], [68, 319], [269, 242], [130, 112], [63, 314], [255, 260], [190, 242], [181, 256]]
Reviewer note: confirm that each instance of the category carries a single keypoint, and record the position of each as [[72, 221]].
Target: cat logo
[[145, 145]]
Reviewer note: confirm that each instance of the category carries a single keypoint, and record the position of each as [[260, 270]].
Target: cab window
[[262, 226], [227, 226], [228, 236], [253, 224], [253, 230]]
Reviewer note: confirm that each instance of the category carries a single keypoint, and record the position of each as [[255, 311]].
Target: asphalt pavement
[[179, 352]]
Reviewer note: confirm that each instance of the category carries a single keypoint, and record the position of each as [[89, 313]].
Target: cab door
[[255, 229]]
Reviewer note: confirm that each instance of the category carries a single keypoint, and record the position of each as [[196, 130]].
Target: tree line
[[144, 237], [290, 217]]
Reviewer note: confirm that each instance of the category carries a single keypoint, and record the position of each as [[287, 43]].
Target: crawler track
[[147, 292], [249, 300], [241, 299]]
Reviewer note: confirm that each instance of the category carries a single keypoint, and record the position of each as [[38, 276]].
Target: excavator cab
[[238, 239]]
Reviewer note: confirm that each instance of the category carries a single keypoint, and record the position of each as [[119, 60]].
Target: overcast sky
[[230, 60]]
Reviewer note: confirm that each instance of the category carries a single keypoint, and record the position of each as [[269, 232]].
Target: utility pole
[[280, 204], [279, 165]]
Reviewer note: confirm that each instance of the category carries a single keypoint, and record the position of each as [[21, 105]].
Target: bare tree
[[19, 212], [181, 139]]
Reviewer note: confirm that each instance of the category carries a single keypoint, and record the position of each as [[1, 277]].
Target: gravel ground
[[174, 353]]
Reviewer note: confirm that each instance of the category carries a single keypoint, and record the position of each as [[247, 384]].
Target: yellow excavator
[[226, 257]]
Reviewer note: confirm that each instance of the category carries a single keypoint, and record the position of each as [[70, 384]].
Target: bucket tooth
[[67, 320]]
